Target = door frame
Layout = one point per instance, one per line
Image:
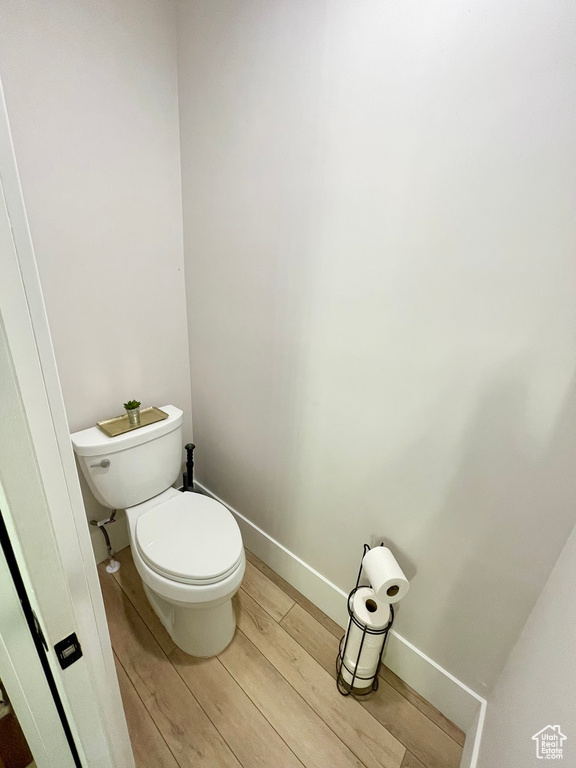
(51, 540)
(23, 671)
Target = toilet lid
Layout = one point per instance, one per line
(190, 538)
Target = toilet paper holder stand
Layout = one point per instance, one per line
(359, 686)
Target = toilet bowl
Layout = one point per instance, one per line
(187, 547)
(188, 551)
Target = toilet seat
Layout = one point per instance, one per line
(190, 538)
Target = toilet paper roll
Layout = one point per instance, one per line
(385, 575)
(375, 615)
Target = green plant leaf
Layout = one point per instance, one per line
(131, 404)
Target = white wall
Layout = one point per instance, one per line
(536, 688)
(379, 239)
(380, 281)
(92, 98)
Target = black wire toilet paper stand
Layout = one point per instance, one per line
(358, 685)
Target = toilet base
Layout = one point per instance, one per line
(200, 629)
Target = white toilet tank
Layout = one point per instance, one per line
(128, 469)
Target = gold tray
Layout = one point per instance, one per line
(119, 425)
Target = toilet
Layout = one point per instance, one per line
(187, 547)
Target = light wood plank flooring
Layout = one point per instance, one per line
(269, 700)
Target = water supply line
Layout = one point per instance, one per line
(113, 565)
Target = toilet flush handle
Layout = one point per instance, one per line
(105, 463)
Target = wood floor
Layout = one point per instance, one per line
(269, 700)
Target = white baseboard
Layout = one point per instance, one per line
(474, 737)
(452, 697)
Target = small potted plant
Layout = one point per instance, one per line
(133, 412)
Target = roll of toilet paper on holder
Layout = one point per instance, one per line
(385, 575)
(361, 667)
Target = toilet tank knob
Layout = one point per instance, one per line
(105, 463)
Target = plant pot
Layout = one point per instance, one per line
(133, 416)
